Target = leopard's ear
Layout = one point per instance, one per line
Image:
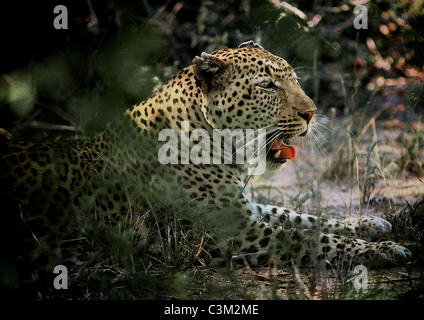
(206, 67)
(251, 44)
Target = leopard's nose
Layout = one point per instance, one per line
(307, 115)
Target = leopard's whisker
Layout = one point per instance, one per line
(253, 141)
(314, 138)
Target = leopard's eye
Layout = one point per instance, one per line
(268, 85)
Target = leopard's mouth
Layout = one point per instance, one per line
(280, 150)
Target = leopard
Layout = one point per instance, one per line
(139, 163)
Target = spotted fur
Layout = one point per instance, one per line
(117, 177)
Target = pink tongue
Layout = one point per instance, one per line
(287, 151)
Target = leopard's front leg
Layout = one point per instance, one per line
(363, 227)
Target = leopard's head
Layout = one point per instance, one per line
(250, 88)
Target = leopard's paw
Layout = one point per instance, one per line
(370, 228)
(391, 251)
(380, 254)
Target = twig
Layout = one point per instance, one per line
(355, 85)
(370, 122)
(51, 126)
